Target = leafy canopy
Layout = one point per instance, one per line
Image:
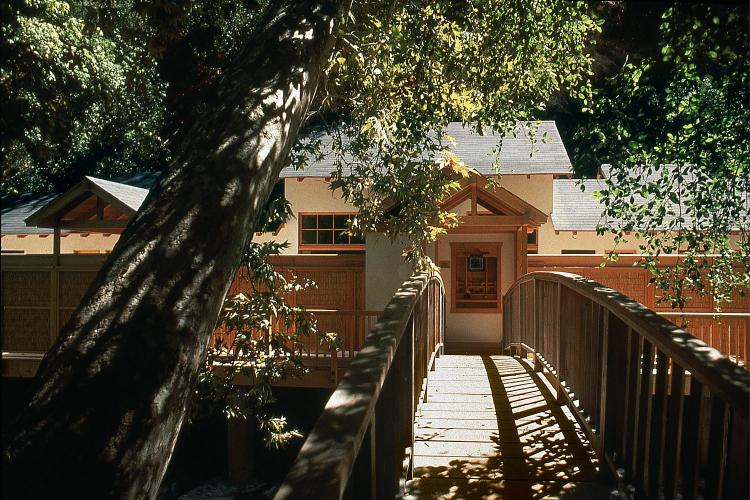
(675, 129)
(402, 70)
(77, 97)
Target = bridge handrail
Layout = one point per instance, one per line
(593, 341)
(367, 424)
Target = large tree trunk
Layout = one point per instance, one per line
(113, 391)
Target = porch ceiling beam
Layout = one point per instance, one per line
(495, 220)
(483, 229)
(93, 224)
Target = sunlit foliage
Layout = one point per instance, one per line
(403, 70)
(675, 129)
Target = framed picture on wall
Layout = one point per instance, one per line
(476, 263)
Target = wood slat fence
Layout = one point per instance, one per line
(39, 293)
(667, 412)
(725, 332)
(357, 447)
(728, 331)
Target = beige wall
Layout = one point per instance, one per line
(549, 242)
(69, 243)
(313, 195)
(385, 270)
(476, 327)
(533, 189)
(308, 195)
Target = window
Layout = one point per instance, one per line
(532, 241)
(327, 231)
(475, 277)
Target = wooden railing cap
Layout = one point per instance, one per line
(325, 461)
(707, 364)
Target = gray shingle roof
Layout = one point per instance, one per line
(16, 209)
(129, 195)
(573, 209)
(576, 210)
(545, 154)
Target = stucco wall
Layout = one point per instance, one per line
(69, 243)
(385, 270)
(308, 195)
(533, 189)
(313, 195)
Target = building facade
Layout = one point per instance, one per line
(534, 216)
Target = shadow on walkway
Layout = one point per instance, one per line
(490, 428)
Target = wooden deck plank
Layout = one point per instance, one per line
(553, 446)
(505, 468)
(517, 490)
(490, 428)
(525, 434)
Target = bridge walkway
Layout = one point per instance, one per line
(490, 427)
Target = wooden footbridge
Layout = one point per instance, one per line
(595, 397)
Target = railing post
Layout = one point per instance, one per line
(413, 408)
(605, 380)
(373, 455)
(334, 366)
(561, 396)
(363, 480)
(537, 344)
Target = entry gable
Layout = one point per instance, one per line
(500, 203)
(92, 204)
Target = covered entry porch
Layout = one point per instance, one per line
(480, 259)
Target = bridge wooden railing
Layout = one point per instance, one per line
(361, 445)
(667, 413)
(729, 333)
(351, 327)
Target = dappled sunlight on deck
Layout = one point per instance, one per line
(491, 428)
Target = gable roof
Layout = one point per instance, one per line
(501, 200)
(130, 196)
(127, 188)
(527, 152)
(122, 196)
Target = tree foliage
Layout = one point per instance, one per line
(675, 129)
(402, 71)
(79, 96)
(261, 339)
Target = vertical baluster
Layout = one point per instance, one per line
(632, 400)
(658, 421)
(745, 340)
(604, 378)
(614, 387)
(738, 459)
(695, 418)
(363, 477)
(643, 418)
(673, 433)
(717, 448)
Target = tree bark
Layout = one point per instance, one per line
(112, 393)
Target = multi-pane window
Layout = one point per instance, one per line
(327, 231)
